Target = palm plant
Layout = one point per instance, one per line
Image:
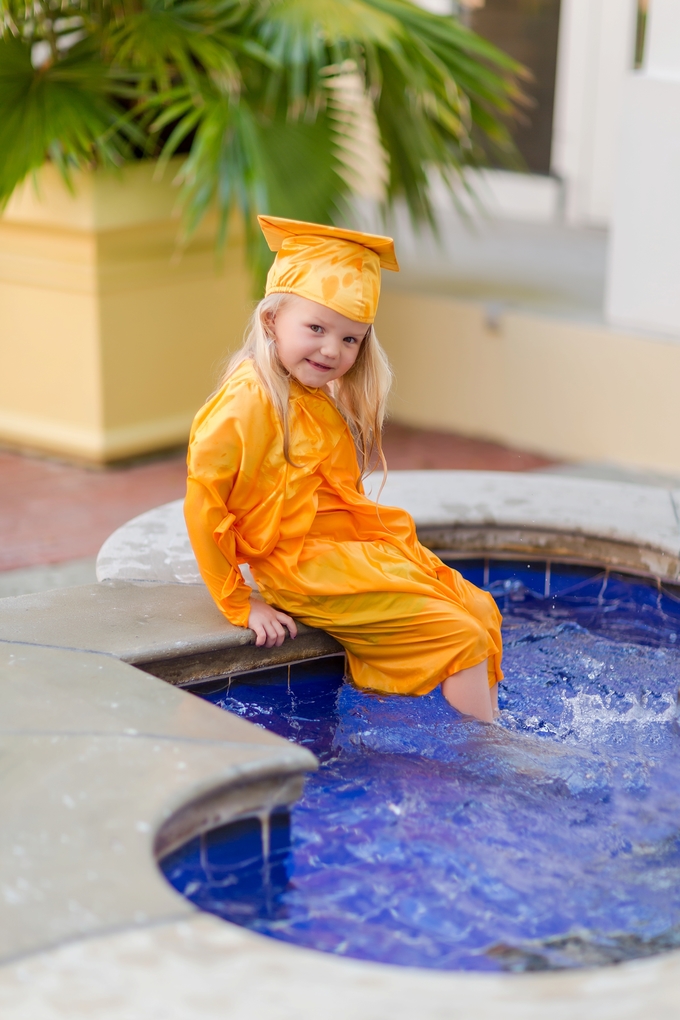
(255, 93)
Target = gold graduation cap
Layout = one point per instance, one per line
(335, 267)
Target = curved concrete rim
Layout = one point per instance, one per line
(628, 527)
(117, 763)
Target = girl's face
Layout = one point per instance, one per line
(314, 343)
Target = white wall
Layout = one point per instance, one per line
(643, 287)
(662, 56)
(595, 54)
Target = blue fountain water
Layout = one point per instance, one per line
(425, 839)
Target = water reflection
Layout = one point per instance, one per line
(551, 840)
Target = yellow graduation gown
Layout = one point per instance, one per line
(319, 548)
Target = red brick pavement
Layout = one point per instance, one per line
(51, 511)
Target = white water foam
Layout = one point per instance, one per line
(587, 714)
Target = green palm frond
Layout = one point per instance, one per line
(306, 36)
(224, 169)
(66, 112)
(184, 39)
(248, 90)
(437, 88)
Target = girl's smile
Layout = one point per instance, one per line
(315, 364)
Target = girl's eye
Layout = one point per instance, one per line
(350, 339)
(316, 329)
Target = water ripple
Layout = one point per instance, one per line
(550, 840)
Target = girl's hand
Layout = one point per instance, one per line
(268, 624)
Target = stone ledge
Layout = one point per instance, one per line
(609, 523)
(48, 691)
(468, 541)
(103, 766)
(190, 670)
(202, 968)
(134, 621)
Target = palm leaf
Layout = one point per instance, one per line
(64, 112)
(438, 89)
(306, 36)
(248, 87)
(186, 38)
(224, 169)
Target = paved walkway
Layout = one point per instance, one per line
(52, 512)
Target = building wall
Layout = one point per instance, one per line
(556, 386)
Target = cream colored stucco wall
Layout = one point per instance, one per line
(110, 338)
(561, 387)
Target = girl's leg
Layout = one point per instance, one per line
(468, 691)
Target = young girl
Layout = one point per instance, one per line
(276, 460)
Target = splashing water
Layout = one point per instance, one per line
(425, 839)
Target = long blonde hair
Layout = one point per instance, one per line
(360, 395)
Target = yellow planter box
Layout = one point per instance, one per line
(110, 336)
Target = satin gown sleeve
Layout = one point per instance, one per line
(231, 439)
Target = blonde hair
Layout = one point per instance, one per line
(360, 395)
